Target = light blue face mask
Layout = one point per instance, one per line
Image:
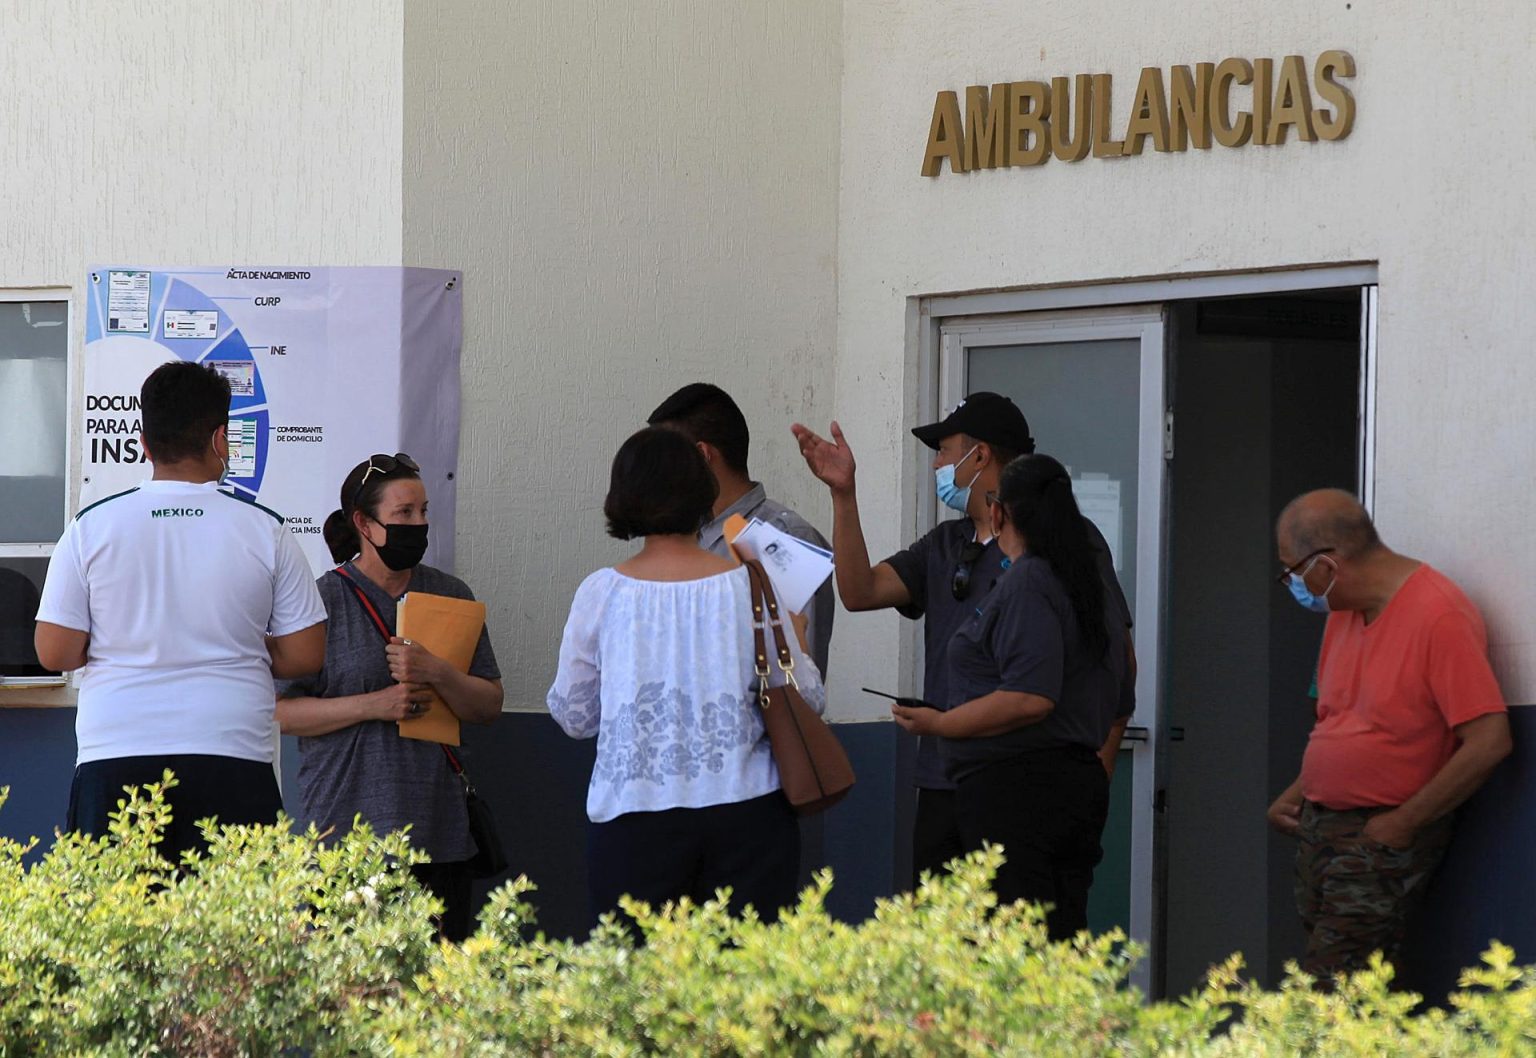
(951, 495)
(1303, 594)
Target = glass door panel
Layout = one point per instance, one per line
(1091, 386)
(1081, 400)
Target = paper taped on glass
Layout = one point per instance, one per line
(1098, 497)
(450, 629)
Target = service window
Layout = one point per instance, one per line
(34, 430)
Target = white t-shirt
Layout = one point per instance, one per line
(178, 584)
(662, 673)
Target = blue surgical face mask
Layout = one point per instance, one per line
(951, 495)
(1303, 594)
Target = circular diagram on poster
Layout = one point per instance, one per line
(185, 325)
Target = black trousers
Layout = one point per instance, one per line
(936, 837)
(752, 846)
(233, 790)
(450, 883)
(1047, 809)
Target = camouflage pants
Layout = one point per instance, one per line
(1354, 894)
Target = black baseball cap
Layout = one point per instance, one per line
(989, 417)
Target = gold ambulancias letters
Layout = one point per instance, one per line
(1020, 124)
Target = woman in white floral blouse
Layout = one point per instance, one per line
(657, 662)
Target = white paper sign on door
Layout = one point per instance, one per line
(1098, 497)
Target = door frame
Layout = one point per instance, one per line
(939, 327)
(1145, 325)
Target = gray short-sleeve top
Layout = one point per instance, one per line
(367, 769)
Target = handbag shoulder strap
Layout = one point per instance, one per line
(362, 600)
(458, 769)
(759, 646)
(763, 598)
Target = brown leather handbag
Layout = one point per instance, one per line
(813, 766)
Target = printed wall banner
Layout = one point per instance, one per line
(326, 367)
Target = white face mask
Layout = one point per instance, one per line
(213, 443)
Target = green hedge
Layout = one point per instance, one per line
(274, 943)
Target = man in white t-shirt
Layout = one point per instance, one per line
(181, 602)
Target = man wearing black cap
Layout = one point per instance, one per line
(942, 576)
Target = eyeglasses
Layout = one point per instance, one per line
(384, 465)
(992, 500)
(1303, 565)
(960, 585)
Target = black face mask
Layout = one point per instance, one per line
(404, 545)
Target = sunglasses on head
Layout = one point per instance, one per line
(960, 585)
(384, 465)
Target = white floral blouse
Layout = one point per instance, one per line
(662, 673)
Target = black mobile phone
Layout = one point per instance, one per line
(910, 703)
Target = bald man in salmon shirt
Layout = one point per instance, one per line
(1410, 722)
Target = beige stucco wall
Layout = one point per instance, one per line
(1432, 184)
(185, 132)
(643, 195)
(640, 196)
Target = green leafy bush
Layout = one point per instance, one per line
(258, 946)
(276, 944)
(928, 974)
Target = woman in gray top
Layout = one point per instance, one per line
(1039, 675)
(353, 760)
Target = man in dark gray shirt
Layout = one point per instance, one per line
(942, 577)
(708, 417)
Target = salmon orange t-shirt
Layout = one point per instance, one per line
(1390, 693)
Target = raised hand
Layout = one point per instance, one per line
(831, 461)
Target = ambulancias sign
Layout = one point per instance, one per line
(1026, 123)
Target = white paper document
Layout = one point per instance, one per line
(201, 324)
(241, 375)
(242, 447)
(795, 567)
(1098, 497)
(128, 301)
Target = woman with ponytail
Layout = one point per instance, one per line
(353, 761)
(1040, 678)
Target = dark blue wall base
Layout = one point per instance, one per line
(536, 780)
(37, 761)
(1482, 892)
